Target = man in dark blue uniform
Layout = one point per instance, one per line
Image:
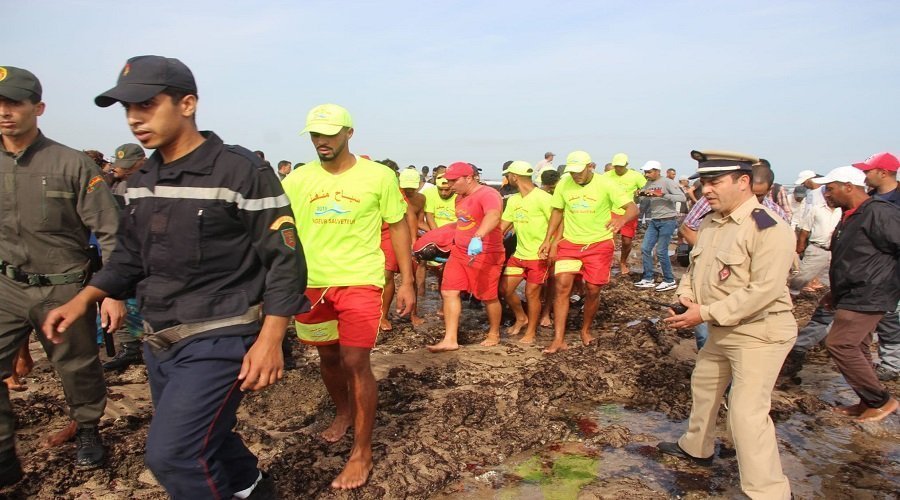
(208, 242)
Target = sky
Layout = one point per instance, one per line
(804, 84)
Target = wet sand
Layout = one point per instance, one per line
(501, 422)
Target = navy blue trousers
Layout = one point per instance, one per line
(191, 446)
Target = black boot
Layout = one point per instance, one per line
(10, 469)
(265, 489)
(793, 363)
(287, 350)
(91, 452)
(129, 354)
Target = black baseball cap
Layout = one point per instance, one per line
(143, 77)
(19, 84)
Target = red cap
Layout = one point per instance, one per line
(457, 170)
(884, 161)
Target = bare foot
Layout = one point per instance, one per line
(586, 338)
(556, 347)
(623, 269)
(64, 436)
(23, 363)
(417, 320)
(385, 325)
(491, 340)
(442, 347)
(528, 338)
(517, 327)
(546, 322)
(879, 414)
(14, 384)
(337, 429)
(354, 475)
(850, 410)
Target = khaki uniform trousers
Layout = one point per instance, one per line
(750, 361)
(23, 308)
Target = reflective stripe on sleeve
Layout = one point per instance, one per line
(214, 193)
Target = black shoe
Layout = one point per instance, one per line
(675, 450)
(129, 354)
(886, 375)
(91, 452)
(287, 352)
(793, 363)
(10, 471)
(265, 489)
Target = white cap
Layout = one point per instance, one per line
(651, 165)
(851, 175)
(805, 176)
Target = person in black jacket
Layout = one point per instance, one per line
(208, 242)
(865, 284)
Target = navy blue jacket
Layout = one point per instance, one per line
(205, 237)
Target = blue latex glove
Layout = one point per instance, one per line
(475, 247)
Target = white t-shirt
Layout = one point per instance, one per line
(820, 221)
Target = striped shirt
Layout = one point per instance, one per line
(701, 208)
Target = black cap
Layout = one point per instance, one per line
(19, 84)
(143, 77)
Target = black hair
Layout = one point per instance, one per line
(762, 174)
(177, 94)
(391, 164)
(549, 177)
(737, 174)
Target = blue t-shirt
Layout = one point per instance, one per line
(890, 197)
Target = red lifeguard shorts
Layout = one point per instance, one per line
(534, 271)
(345, 315)
(593, 261)
(630, 228)
(390, 258)
(479, 276)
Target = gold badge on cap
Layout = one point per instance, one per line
(120, 154)
(126, 69)
(3, 73)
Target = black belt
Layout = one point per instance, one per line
(163, 339)
(35, 279)
(820, 245)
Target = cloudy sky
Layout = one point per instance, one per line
(806, 84)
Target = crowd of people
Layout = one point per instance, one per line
(204, 256)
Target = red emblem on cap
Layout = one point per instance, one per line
(126, 70)
(724, 273)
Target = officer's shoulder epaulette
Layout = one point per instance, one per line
(762, 218)
(245, 153)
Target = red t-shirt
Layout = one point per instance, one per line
(470, 214)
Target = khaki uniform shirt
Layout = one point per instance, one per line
(51, 198)
(739, 269)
